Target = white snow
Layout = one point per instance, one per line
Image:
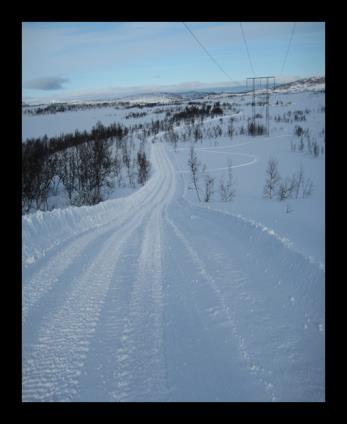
(156, 297)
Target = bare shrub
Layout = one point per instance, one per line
(194, 166)
(209, 187)
(272, 178)
(227, 189)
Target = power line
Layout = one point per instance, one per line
(249, 57)
(289, 44)
(206, 51)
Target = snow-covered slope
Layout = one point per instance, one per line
(161, 98)
(305, 84)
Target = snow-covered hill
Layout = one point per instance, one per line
(305, 84)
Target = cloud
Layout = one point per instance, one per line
(47, 83)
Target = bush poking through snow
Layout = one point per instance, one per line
(272, 178)
(227, 189)
(290, 187)
(209, 187)
(256, 129)
(143, 167)
(298, 131)
(194, 166)
(231, 129)
(312, 147)
(286, 188)
(315, 149)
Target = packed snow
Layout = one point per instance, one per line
(154, 296)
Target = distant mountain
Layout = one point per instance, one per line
(171, 97)
(156, 97)
(304, 84)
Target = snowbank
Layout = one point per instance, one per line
(41, 231)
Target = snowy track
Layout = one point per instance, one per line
(160, 300)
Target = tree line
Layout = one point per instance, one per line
(87, 164)
(53, 108)
(64, 141)
(193, 111)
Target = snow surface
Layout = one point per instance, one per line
(66, 122)
(154, 297)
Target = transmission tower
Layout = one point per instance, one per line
(267, 98)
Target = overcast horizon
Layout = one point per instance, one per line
(66, 60)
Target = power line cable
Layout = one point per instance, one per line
(289, 44)
(207, 52)
(245, 41)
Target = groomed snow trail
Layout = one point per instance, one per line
(161, 300)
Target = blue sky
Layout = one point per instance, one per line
(64, 59)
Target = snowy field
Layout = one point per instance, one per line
(65, 122)
(155, 296)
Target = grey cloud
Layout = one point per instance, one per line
(47, 83)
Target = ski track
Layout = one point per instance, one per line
(251, 162)
(107, 328)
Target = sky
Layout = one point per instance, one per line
(75, 59)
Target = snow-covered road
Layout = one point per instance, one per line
(150, 298)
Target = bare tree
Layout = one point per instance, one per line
(93, 170)
(126, 155)
(172, 137)
(194, 166)
(299, 181)
(143, 167)
(231, 129)
(272, 178)
(227, 189)
(131, 170)
(68, 169)
(286, 188)
(197, 133)
(209, 185)
(117, 166)
(315, 149)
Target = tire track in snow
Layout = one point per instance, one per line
(260, 227)
(282, 298)
(141, 365)
(253, 367)
(48, 276)
(101, 362)
(51, 371)
(140, 358)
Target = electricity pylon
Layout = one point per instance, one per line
(267, 97)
